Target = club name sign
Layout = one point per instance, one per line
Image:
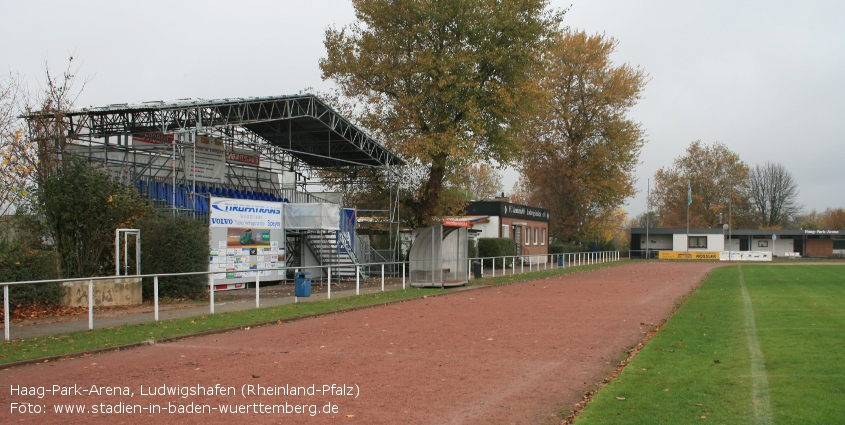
(522, 211)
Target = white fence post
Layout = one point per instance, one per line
(6, 311)
(155, 297)
(91, 304)
(357, 280)
(211, 291)
(403, 275)
(382, 277)
(257, 289)
(330, 282)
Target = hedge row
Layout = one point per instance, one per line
(21, 263)
(496, 247)
(174, 245)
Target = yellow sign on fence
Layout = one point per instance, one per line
(693, 255)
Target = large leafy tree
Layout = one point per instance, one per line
(774, 195)
(479, 181)
(445, 83)
(717, 180)
(581, 150)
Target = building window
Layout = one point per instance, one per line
(527, 236)
(536, 234)
(698, 241)
(543, 237)
(763, 244)
(505, 229)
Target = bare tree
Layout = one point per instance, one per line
(30, 149)
(773, 194)
(12, 161)
(645, 219)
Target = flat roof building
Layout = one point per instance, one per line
(788, 242)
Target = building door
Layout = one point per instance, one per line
(798, 246)
(517, 238)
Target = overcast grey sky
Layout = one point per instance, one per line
(767, 78)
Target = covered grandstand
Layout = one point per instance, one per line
(181, 154)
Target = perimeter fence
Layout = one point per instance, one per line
(478, 268)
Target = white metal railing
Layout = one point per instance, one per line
(533, 262)
(538, 262)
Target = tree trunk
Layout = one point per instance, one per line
(424, 215)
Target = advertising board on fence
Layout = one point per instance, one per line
(246, 240)
(746, 256)
(692, 255)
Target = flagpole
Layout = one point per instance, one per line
(730, 224)
(647, 210)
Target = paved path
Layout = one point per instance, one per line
(81, 322)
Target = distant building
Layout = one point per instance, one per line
(780, 243)
(527, 226)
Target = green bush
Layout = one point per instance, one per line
(496, 247)
(174, 245)
(560, 247)
(20, 263)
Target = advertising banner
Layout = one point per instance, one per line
(208, 160)
(246, 240)
(746, 256)
(206, 163)
(692, 255)
(347, 227)
(245, 213)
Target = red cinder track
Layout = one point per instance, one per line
(509, 354)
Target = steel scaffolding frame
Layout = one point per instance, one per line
(291, 134)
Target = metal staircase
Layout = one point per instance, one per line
(332, 251)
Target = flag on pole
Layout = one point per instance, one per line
(689, 194)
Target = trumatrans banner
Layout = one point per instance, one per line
(245, 213)
(746, 256)
(692, 255)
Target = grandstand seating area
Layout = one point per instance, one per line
(163, 194)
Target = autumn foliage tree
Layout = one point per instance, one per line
(581, 150)
(444, 83)
(479, 181)
(17, 156)
(829, 219)
(718, 182)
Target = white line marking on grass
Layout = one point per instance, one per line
(759, 380)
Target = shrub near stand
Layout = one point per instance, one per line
(20, 263)
(174, 245)
(496, 247)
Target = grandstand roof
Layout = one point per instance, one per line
(301, 125)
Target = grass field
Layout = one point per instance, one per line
(754, 344)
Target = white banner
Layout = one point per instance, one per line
(245, 213)
(312, 216)
(745, 256)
